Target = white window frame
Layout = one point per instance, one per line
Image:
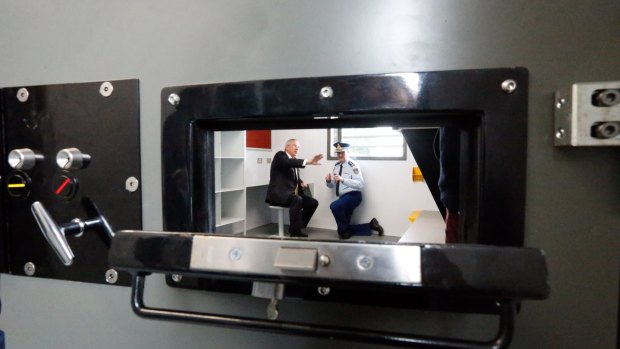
(337, 135)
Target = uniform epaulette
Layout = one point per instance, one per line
(351, 163)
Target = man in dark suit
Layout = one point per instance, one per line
(287, 189)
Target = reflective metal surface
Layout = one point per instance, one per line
(53, 234)
(588, 114)
(396, 264)
(459, 269)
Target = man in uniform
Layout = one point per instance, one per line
(348, 181)
(287, 189)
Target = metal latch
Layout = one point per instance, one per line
(588, 114)
(302, 259)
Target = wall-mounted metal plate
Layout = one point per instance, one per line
(70, 145)
(588, 114)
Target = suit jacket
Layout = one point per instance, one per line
(282, 181)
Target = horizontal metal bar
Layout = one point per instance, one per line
(501, 340)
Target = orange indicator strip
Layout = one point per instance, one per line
(17, 185)
(62, 186)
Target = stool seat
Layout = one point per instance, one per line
(280, 211)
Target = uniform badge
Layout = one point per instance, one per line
(356, 171)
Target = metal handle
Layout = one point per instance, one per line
(56, 235)
(501, 340)
(53, 233)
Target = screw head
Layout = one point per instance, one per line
(509, 86)
(29, 268)
(132, 184)
(561, 102)
(324, 260)
(365, 262)
(106, 89)
(235, 254)
(174, 99)
(111, 276)
(177, 277)
(560, 133)
(327, 92)
(22, 94)
(323, 291)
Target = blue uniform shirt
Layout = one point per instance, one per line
(352, 174)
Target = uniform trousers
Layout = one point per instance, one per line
(342, 210)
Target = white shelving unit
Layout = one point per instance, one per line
(230, 182)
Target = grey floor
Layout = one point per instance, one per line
(271, 230)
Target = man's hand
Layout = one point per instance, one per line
(328, 178)
(315, 160)
(338, 178)
(302, 184)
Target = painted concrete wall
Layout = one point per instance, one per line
(572, 194)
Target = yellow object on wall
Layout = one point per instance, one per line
(416, 175)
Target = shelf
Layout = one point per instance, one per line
(225, 190)
(229, 154)
(229, 220)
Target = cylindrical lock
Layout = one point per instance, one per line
(72, 159)
(24, 158)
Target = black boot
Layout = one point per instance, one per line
(374, 225)
(298, 234)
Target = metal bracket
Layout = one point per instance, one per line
(588, 114)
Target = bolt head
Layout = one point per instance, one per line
(561, 102)
(177, 277)
(111, 276)
(22, 94)
(106, 89)
(365, 262)
(323, 291)
(132, 184)
(327, 92)
(509, 86)
(324, 260)
(174, 99)
(235, 254)
(29, 268)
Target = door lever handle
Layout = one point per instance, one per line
(56, 235)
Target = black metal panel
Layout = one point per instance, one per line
(459, 269)
(4, 255)
(107, 128)
(478, 270)
(494, 120)
(471, 97)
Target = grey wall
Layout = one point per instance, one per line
(573, 195)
